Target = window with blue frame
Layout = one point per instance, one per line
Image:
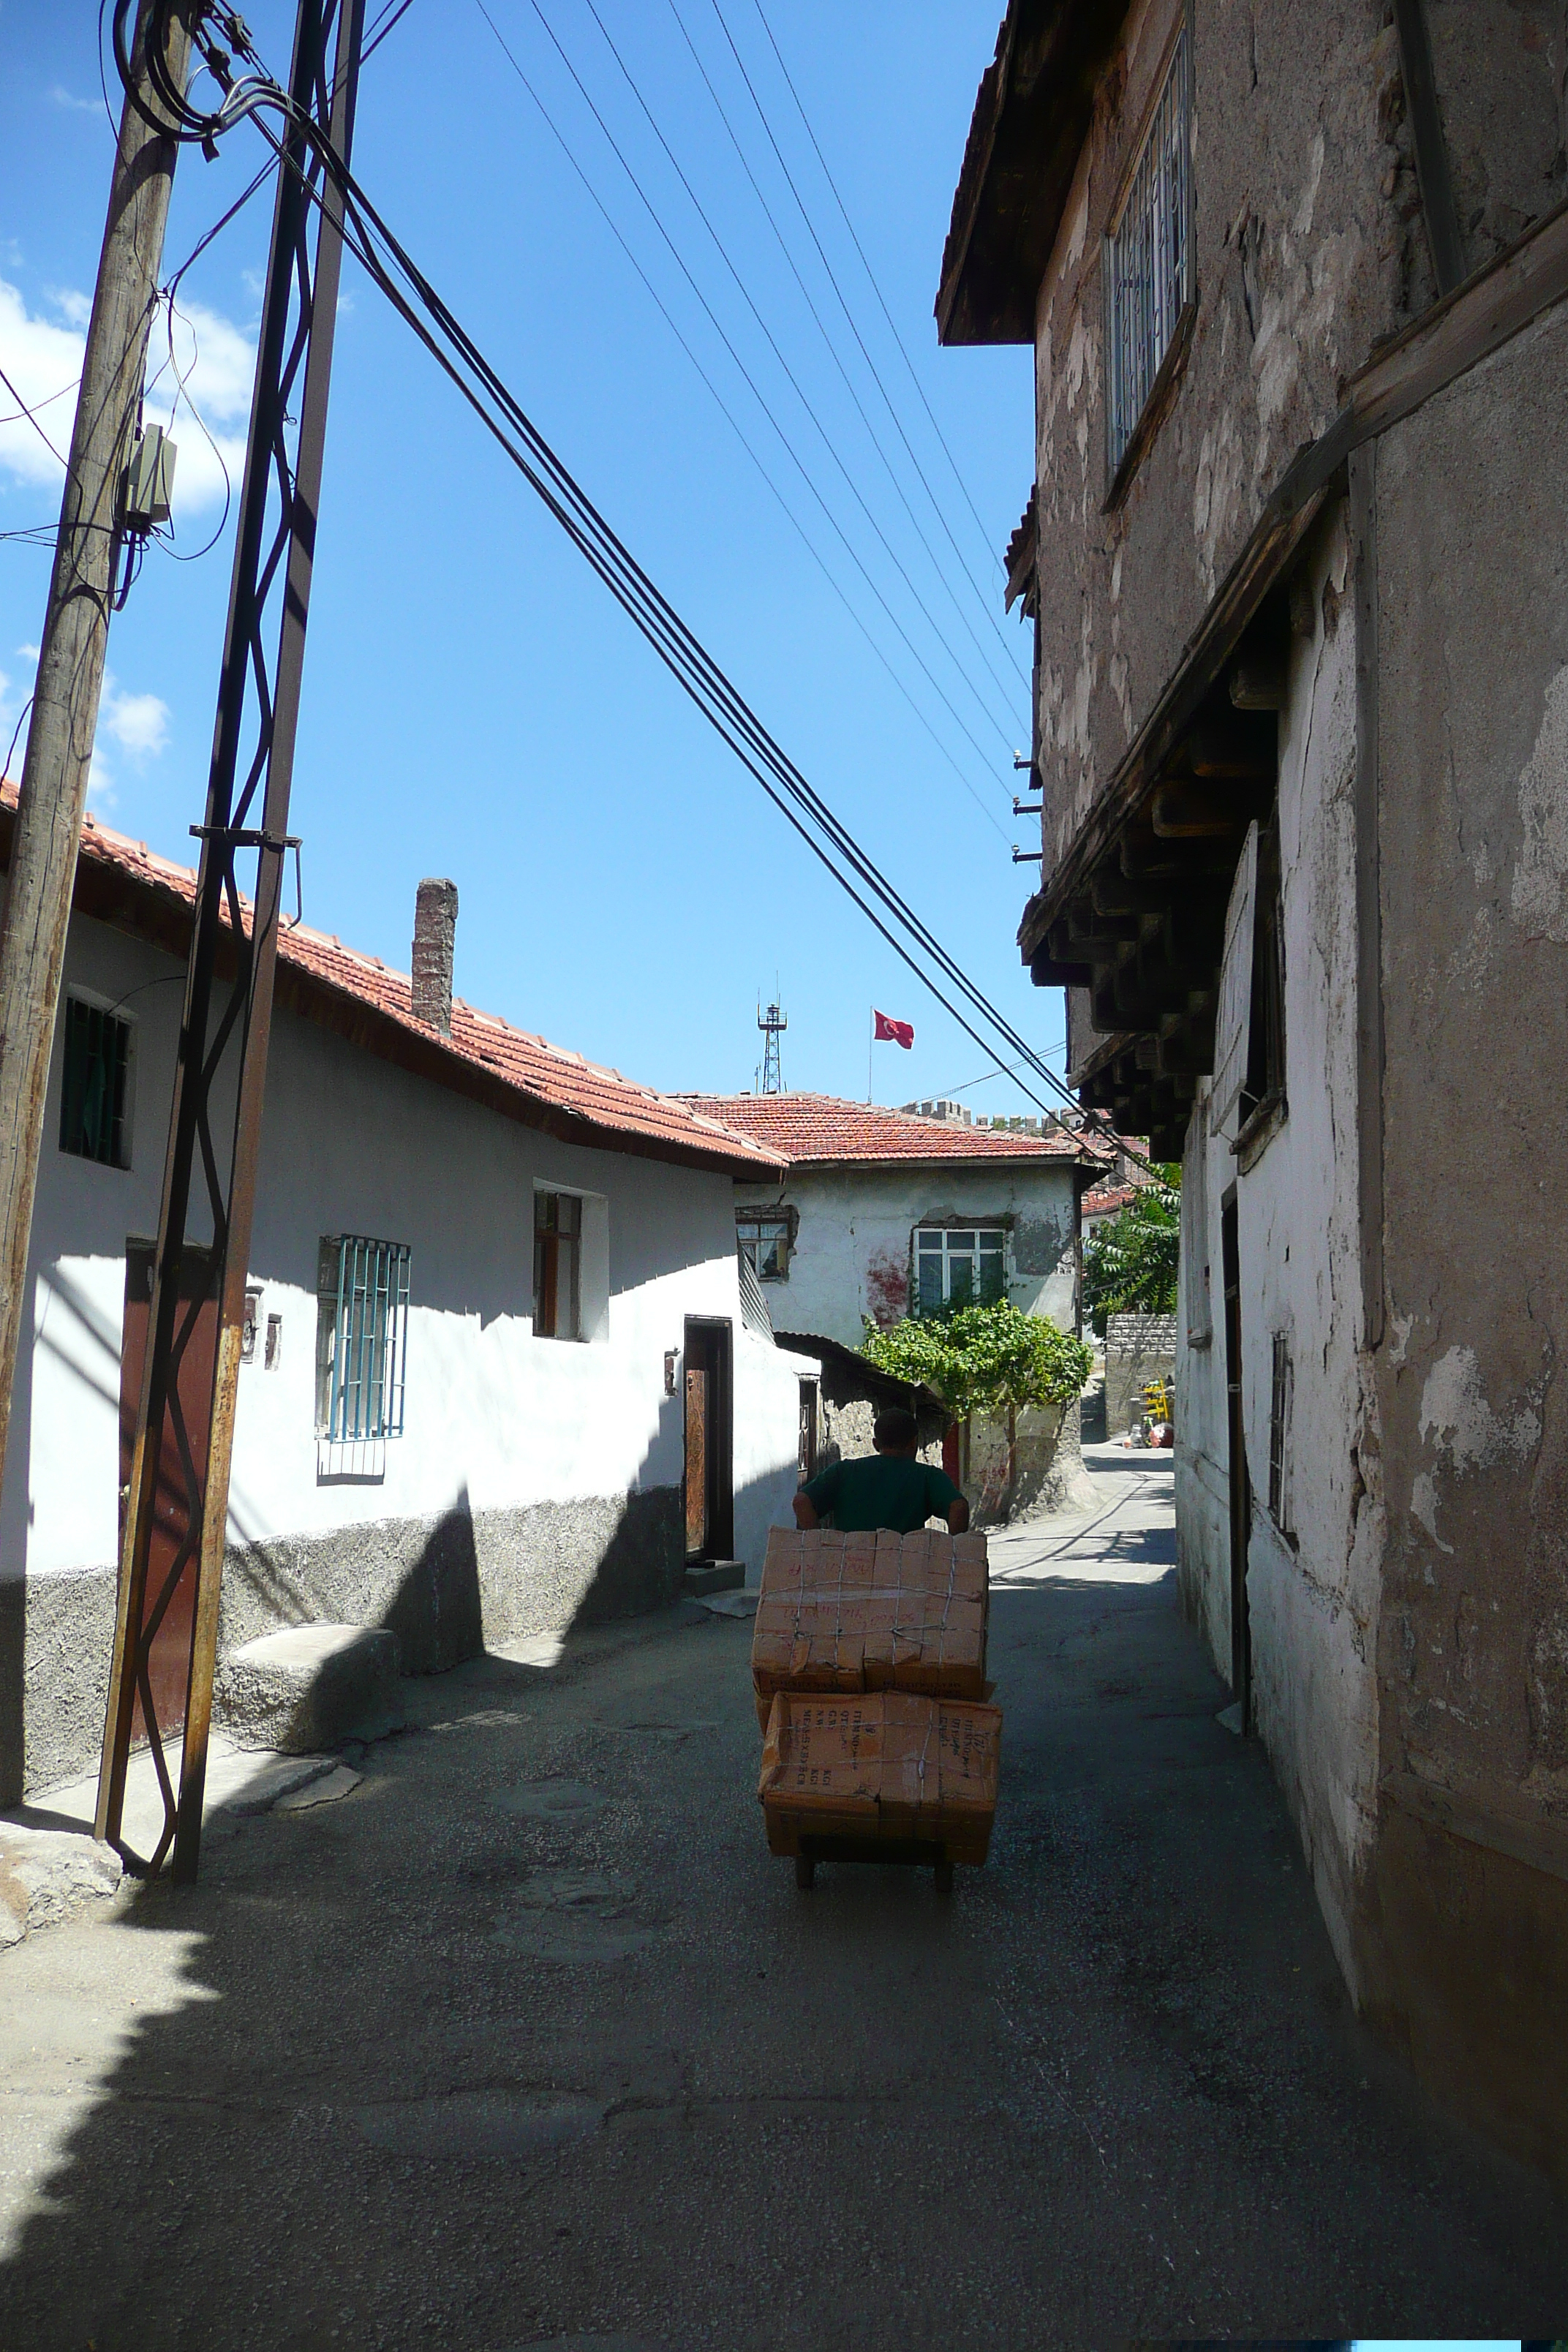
(362, 1337)
(95, 1121)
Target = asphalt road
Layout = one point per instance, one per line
(528, 2041)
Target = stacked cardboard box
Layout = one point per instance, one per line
(881, 1769)
(868, 1667)
(870, 1611)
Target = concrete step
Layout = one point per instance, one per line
(713, 1576)
(310, 1687)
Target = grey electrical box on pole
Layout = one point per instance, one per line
(70, 670)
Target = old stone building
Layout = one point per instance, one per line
(1295, 273)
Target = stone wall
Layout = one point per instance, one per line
(1138, 1348)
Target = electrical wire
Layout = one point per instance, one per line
(1003, 685)
(6, 764)
(185, 394)
(391, 16)
(23, 410)
(734, 422)
(1006, 734)
(756, 391)
(368, 236)
(411, 294)
(986, 602)
(876, 290)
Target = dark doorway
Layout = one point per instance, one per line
(169, 1657)
(1240, 1485)
(710, 1413)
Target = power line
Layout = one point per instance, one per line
(732, 420)
(682, 652)
(801, 207)
(876, 290)
(755, 389)
(23, 410)
(700, 677)
(1002, 684)
(1005, 734)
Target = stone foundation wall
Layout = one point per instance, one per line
(445, 1587)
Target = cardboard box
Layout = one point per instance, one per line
(881, 1770)
(871, 1611)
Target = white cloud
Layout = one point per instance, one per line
(138, 722)
(212, 365)
(213, 360)
(74, 307)
(62, 97)
(27, 653)
(44, 363)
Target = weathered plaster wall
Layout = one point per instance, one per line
(1202, 1473)
(1498, 67)
(1312, 1578)
(851, 1257)
(1472, 616)
(535, 1480)
(1308, 247)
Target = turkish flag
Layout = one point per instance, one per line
(892, 1033)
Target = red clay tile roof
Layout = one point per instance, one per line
(361, 998)
(814, 1128)
(1105, 1198)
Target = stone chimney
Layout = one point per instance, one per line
(434, 925)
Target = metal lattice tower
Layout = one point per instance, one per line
(773, 1025)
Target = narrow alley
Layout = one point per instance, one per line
(527, 2040)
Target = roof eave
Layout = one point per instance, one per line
(1031, 117)
(147, 906)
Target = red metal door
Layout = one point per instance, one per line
(169, 1658)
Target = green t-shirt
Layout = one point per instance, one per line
(881, 1490)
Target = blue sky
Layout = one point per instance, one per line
(474, 704)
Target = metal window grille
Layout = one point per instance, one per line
(1149, 256)
(369, 1340)
(1279, 1428)
(96, 1078)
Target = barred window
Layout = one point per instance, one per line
(1149, 256)
(362, 1337)
(765, 1242)
(1280, 1433)
(94, 1096)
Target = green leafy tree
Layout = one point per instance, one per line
(983, 1358)
(1130, 1261)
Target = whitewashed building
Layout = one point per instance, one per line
(557, 1245)
(879, 1211)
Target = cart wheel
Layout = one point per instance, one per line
(804, 1871)
(944, 1878)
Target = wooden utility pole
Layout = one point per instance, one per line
(70, 670)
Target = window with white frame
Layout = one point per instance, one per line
(765, 1243)
(1149, 256)
(362, 1337)
(959, 1266)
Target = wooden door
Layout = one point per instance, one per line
(1240, 1485)
(696, 1459)
(709, 1491)
(169, 1664)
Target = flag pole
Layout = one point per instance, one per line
(870, 1048)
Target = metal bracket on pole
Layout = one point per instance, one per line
(177, 1504)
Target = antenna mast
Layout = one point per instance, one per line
(773, 1024)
